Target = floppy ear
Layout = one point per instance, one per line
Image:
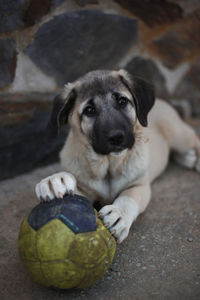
(143, 95)
(62, 106)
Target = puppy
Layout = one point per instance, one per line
(113, 152)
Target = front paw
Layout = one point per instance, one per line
(117, 223)
(55, 186)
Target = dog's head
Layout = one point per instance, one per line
(102, 108)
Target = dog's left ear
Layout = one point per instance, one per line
(62, 106)
(142, 92)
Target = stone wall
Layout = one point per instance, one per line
(44, 44)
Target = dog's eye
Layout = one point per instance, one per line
(89, 111)
(122, 101)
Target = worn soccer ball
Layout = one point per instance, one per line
(63, 244)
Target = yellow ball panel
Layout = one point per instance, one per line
(53, 241)
(93, 275)
(111, 248)
(63, 274)
(108, 238)
(26, 241)
(102, 228)
(87, 249)
(34, 269)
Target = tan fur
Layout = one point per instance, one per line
(122, 182)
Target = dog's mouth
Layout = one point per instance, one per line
(119, 153)
(114, 151)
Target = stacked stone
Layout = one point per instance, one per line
(44, 44)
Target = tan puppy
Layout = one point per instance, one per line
(111, 155)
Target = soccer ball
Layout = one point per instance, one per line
(63, 244)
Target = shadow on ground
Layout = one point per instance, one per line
(159, 260)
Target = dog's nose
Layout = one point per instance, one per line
(116, 138)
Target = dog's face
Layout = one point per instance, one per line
(102, 107)
(107, 115)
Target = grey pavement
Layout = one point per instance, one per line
(160, 260)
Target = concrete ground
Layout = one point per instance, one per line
(160, 260)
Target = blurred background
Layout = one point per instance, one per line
(46, 43)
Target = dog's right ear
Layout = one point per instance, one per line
(142, 92)
(62, 106)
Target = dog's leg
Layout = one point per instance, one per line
(119, 216)
(187, 159)
(55, 186)
(187, 147)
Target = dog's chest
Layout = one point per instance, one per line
(107, 188)
(115, 180)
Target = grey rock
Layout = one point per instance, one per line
(188, 6)
(74, 43)
(171, 46)
(147, 69)
(8, 57)
(189, 88)
(25, 141)
(180, 43)
(10, 15)
(35, 11)
(85, 2)
(55, 3)
(153, 12)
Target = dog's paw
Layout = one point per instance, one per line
(55, 186)
(187, 159)
(117, 223)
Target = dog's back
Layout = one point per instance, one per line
(168, 132)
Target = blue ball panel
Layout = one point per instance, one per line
(75, 211)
